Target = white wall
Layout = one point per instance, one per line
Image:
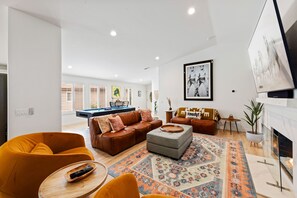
(34, 74)
(231, 71)
(3, 35)
(137, 102)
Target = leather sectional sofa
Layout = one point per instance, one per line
(114, 143)
(206, 125)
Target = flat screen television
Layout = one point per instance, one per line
(268, 52)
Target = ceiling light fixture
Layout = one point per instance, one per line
(69, 66)
(191, 10)
(116, 75)
(140, 79)
(113, 33)
(157, 58)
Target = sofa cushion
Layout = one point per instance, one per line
(204, 126)
(42, 149)
(146, 115)
(116, 123)
(129, 118)
(181, 112)
(141, 129)
(155, 124)
(114, 143)
(179, 120)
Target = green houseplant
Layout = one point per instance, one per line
(252, 115)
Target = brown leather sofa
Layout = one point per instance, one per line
(114, 143)
(203, 125)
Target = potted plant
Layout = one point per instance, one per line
(251, 117)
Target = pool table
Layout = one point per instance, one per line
(87, 113)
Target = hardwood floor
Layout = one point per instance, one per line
(109, 160)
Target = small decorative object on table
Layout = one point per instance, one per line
(171, 128)
(169, 103)
(80, 172)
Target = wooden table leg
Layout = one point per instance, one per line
(224, 126)
(236, 126)
(230, 128)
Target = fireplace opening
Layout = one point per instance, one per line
(282, 149)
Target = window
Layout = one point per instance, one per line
(66, 97)
(78, 97)
(94, 96)
(102, 97)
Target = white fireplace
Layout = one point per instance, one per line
(281, 115)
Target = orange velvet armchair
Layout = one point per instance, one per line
(122, 187)
(22, 170)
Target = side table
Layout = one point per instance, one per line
(169, 115)
(55, 185)
(230, 120)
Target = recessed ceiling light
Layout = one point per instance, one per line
(113, 33)
(69, 66)
(140, 79)
(191, 10)
(157, 58)
(116, 75)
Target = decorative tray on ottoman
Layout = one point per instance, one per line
(171, 128)
(80, 172)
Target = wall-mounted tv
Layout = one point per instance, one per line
(268, 52)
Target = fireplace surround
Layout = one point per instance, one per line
(282, 150)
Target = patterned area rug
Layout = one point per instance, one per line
(210, 167)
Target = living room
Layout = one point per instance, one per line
(61, 57)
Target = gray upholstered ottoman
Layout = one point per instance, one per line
(169, 144)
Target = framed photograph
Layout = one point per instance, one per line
(268, 53)
(198, 80)
(115, 92)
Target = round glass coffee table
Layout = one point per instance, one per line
(55, 185)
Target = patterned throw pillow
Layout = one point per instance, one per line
(209, 114)
(146, 115)
(104, 123)
(181, 112)
(116, 123)
(42, 149)
(193, 114)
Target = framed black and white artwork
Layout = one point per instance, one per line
(198, 80)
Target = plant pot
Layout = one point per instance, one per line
(256, 138)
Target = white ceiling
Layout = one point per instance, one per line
(145, 29)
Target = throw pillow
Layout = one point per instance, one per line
(116, 123)
(181, 112)
(104, 123)
(41, 148)
(146, 115)
(210, 114)
(193, 115)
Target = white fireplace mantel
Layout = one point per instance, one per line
(282, 102)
